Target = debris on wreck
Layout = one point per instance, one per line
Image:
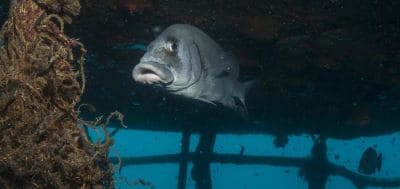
(40, 141)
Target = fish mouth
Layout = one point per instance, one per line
(152, 73)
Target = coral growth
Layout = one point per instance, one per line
(40, 141)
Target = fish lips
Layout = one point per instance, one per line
(152, 73)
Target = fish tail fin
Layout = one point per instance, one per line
(379, 164)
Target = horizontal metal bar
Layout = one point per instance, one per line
(215, 158)
(364, 180)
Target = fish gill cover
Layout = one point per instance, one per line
(41, 145)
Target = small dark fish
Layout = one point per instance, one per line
(370, 162)
(185, 61)
(242, 149)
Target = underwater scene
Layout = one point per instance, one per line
(213, 94)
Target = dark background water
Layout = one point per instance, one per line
(329, 68)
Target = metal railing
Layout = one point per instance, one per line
(315, 168)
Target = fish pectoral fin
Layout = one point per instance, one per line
(207, 101)
(240, 106)
(239, 102)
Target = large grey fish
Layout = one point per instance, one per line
(186, 61)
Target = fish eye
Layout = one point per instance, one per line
(171, 46)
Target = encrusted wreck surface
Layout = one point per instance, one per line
(41, 81)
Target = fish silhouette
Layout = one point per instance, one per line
(370, 162)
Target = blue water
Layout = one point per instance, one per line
(137, 143)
